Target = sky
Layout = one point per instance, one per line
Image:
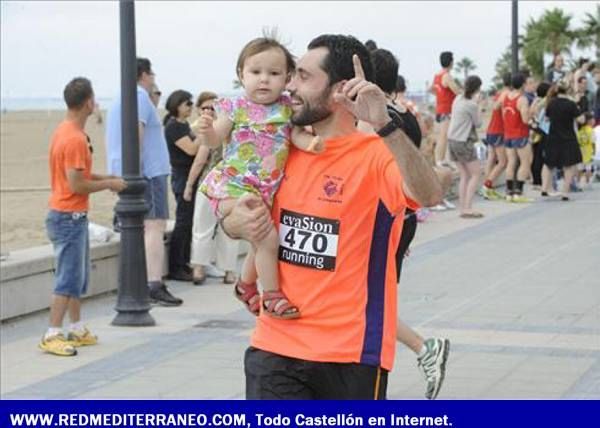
(194, 45)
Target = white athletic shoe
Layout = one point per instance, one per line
(449, 205)
(433, 364)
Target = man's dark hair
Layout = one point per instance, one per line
(542, 89)
(472, 85)
(446, 58)
(143, 66)
(338, 63)
(400, 84)
(371, 45)
(582, 61)
(386, 70)
(506, 78)
(517, 80)
(77, 92)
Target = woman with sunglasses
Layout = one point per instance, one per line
(209, 242)
(183, 147)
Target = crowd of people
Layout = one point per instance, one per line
(538, 132)
(322, 165)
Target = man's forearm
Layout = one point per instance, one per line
(419, 177)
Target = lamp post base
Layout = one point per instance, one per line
(134, 319)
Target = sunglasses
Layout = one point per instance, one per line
(157, 93)
(189, 103)
(210, 108)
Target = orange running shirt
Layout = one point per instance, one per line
(69, 149)
(444, 95)
(339, 215)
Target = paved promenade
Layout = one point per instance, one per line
(517, 293)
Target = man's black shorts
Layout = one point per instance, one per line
(270, 376)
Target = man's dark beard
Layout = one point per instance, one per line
(312, 114)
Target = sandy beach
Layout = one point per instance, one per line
(24, 179)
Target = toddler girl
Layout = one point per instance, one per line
(257, 129)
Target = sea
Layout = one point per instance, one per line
(42, 104)
(57, 103)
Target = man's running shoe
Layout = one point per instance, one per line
(491, 194)
(57, 345)
(439, 207)
(449, 205)
(82, 338)
(433, 364)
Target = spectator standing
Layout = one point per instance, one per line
(71, 182)
(462, 136)
(208, 240)
(562, 150)
(155, 169)
(556, 71)
(183, 146)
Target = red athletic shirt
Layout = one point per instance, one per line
(496, 126)
(513, 124)
(444, 95)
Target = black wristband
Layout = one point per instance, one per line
(396, 122)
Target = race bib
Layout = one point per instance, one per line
(306, 240)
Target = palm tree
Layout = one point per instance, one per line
(590, 33)
(465, 65)
(551, 33)
(504, 65)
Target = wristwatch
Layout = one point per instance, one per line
(395, 123)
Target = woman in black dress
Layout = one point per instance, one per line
(562, 150)
(182, 150)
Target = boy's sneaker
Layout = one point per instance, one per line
(57, 345)
(162, 296)
(82, 338)
(433, 364)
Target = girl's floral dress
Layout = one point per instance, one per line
(255, 157)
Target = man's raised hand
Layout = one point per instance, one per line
(365, 100)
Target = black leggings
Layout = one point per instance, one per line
(538, 162)
(409, 229)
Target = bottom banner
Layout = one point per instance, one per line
(257, 414)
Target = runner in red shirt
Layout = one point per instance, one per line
(515, 114)
(445, 89)
(496, 161)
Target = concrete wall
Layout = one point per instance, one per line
(27, 277)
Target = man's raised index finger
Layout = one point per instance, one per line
(358, 70)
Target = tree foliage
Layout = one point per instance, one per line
(465, 66)
(552, 33)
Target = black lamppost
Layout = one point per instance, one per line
(133, 305)
(515, 36)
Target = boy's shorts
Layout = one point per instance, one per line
(68, 232)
